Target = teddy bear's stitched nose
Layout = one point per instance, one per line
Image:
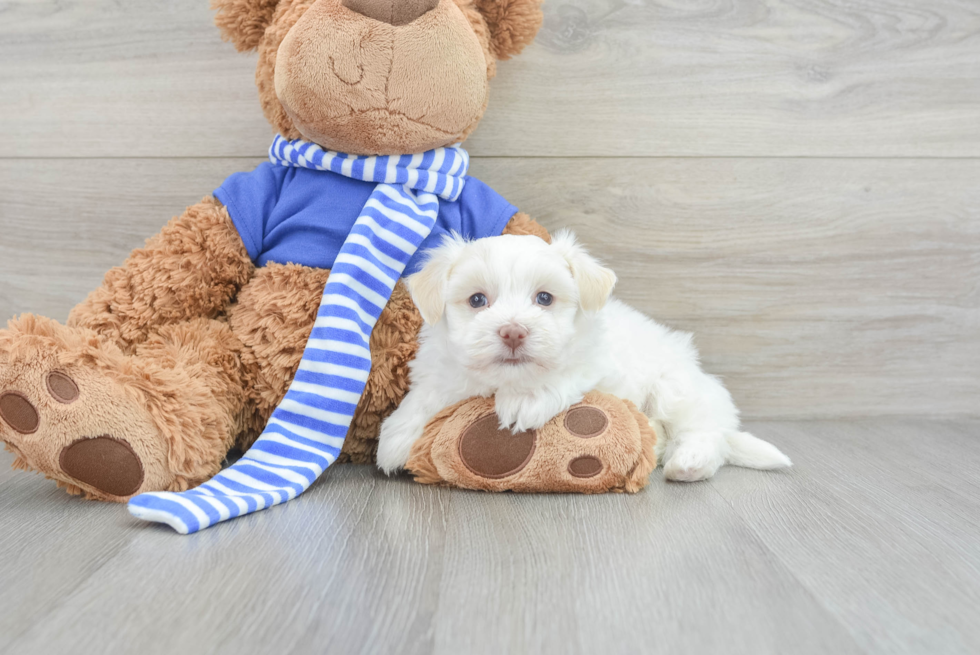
(393, 12)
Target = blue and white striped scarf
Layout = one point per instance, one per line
(307, 429)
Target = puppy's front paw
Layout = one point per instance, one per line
(526, 412)
(395, 442)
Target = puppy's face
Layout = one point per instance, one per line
(510, 303)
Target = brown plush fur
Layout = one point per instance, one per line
(191, 269)
(184, 350)
(647, 458)
(243, 22)
(625, 448)
(523, 225)
(512, 24)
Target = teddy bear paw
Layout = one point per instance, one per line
(63, 415)
(602, 444)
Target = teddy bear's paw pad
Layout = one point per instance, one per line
(61, 387)
(489, 452)
(19, 413)
(104, 463)
(586, 422)
(585, 466)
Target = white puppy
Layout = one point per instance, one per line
(533, 325)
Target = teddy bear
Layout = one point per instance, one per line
(185, 350)
(252, 317)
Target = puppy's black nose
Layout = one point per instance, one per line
(513, 335)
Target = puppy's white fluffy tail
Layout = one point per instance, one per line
(754, 453)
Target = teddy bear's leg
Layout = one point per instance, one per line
(101, 377)
(101, 422)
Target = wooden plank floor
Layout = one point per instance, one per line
(868, 545)
(794, 181)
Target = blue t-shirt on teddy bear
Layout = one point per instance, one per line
(288, 214)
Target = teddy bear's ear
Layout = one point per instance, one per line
(513, 24)
(243, 22)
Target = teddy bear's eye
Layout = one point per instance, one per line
(478, 300)
(545, 298)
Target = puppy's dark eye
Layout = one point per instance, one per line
(478, 300)
(545, 298)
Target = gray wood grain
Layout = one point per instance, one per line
(815, 287)
(349, 568)
(606, 78)
(664, 570)
(869, 523)
(368, 565)
(868, 545)
(49, 544)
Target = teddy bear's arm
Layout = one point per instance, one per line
(521, 224)
(192, 268)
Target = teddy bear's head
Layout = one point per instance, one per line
(377, 77)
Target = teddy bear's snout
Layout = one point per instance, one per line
(392, 12)
(370, 77)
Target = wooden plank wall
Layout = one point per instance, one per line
(798, 182)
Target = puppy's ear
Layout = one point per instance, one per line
(428, 286)
(513, 24)
(243, 22)
(595, 281)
